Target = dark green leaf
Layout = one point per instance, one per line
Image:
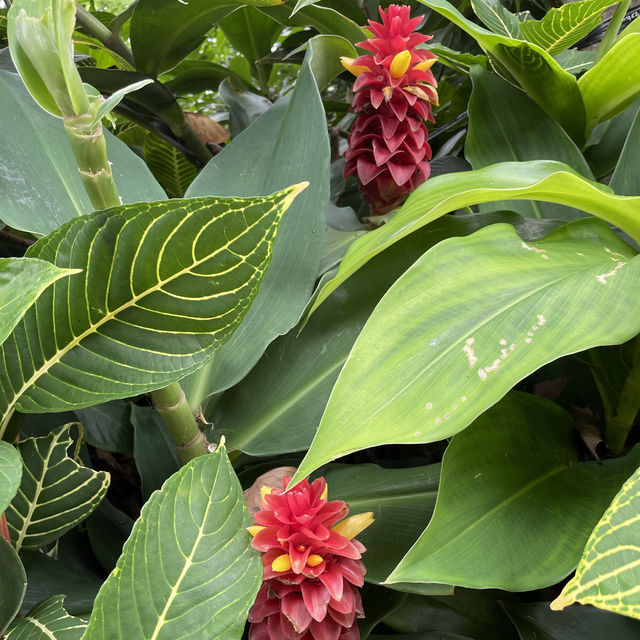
(515, 505)
(169, 166)
(194, 76)
(55, 493)
(194, 581)
(625, 179)
(244, 106)
(14, 583)
(48, 621)
(107, 426)
(575, 61)
(108, 528)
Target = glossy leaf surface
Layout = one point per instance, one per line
(187, 269)
(14, 582)
(609, 571)
(48, 621)
(472, 317)
(55, 493)
(194, 581)
(501, 479)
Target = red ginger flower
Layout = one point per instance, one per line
(394, 91)
(312, 567)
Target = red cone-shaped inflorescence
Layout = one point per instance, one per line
(394, 91)
(312, 567)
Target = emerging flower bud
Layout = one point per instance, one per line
(312, 567)
(394, 91)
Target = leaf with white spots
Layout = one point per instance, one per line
(608, 575)
(187, 572)
(47, 621)
(470, 318)
(55, 493)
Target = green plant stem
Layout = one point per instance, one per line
(620, 423)
(193, 142)
(101, 32)
(612, 30)
(171, 403)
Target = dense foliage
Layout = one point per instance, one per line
(257, 244)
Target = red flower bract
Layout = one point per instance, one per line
(312, 567)
(394, 91)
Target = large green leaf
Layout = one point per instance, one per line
(55, 493)
(22, 280)
(625, 179)
(470, 318)
(609, 572)
(544, 80)
(14, 583)
(277, 407)
(515, 504)
(163, 284)
(39, 177)
(496, 134)
(268, 156)
(169, 165)
(497, 17)
(163, 32)
(540, 180)
(10, 473)
(563, 26)
(536, 621)
(48, 621)
(196, 580)
(612, 84)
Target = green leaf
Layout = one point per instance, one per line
(186, 270)
(193, 581)
(169, 166)
(107, 426)
(10, 473)
(300, 4)
(612, 84)
(47, 621)
(277, 407)
(393, 495)
(497, 17)
(14, 584)
(540, 180)
(195, 76)
(575, 61)
(609, 571)
(515, 504)
(39, 176)
(55, 493)
(116, 97)
(536, 621)
(563, 26)
(163, 32)
(625, 179)
(108, 529)
(470, 318)
(266, 156)
(325, 57)
(245, 107)
(496, 134)
(455, 59)
(544, 80)
(22, 280)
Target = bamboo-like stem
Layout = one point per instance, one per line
(620, 423)
(611, 33)
(171, 403)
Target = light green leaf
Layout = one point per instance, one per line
(300, 4)
(193, 581)
(515, 504)
(455, 59)
(540, 180)
(470, 318)
(163, 32)
(497, 17)
(496, 134)
(48, 621)
(39, 177)
(541, 77)
(326, 51)
(563, 26)
(116, 97)
(268, 156)
(612, 84)
(14, 584)
(55, 493)
(575, 61)
(10, 473)
(169, 166)
(163, 284)
(625, 178)
(22, 280)
(609, 572)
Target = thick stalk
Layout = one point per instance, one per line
(171, 403)
(612, 30)
(621, 422)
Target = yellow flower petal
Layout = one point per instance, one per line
(352, 526)
(282, 563)
(255, 529)
(356, 69)
(426, 65)
(387, 92)
(314, 560)
(400, 64)
(325, 493)
(264, 491)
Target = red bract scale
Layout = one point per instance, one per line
(312, 566)
(394, 91)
